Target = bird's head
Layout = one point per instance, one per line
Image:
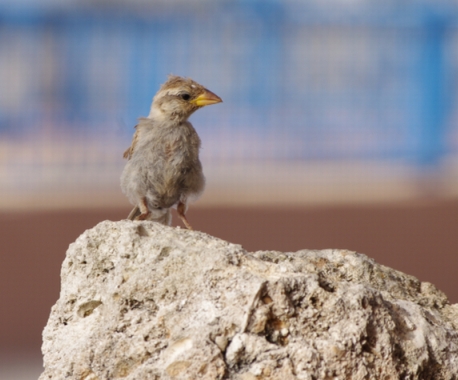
(179, 97)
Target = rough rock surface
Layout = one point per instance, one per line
(140, 300)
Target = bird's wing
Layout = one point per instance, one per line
(130, 150)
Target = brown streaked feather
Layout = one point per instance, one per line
(130, 150)
(169, 185)
(169, 151)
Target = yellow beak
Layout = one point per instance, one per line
(206, 98)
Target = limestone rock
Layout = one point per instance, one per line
(140, 300)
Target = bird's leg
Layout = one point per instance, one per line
(143, 206)
(181, 209)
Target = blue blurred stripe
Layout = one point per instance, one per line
(374, 81)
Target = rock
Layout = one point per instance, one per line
(140, 300)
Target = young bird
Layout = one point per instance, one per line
(163, 168)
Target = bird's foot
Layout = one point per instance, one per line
(185, 222)
(181, 209)
(143, 216)
(144, 212)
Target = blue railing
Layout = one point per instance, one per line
(300, 82)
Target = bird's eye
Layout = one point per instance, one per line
(185, 96)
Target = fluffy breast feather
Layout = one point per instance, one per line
(166, 160)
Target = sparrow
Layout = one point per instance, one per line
(163, 170)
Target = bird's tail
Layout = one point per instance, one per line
(163, 216)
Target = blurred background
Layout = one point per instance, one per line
(339, 129)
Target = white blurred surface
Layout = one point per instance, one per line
(50, 172)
